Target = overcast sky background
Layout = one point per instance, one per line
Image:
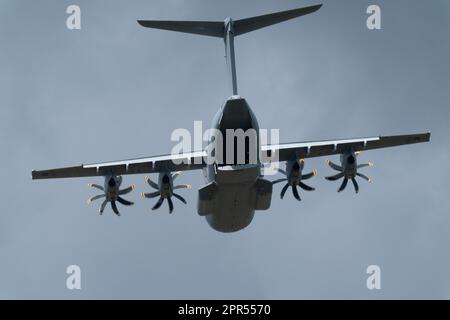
(114, 90)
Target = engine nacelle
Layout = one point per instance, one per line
(111, 187)
(294, 171)
(165, 184)
(349, 164)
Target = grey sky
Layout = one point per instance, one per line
(115, 90)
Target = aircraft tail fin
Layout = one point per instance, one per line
(229, 29)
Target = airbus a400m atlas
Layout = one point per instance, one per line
(233, 191)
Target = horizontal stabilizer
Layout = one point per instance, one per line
(205, 28)
(250, 24)
(217, 28)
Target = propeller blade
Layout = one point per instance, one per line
(119, 180)
(180, 198)
(151, 183)
(150, 195)
(343, 185)
(169, 201)
(364, 177)
(102, 207)
(127, 190)
(114, 207)
(95, 198)
(282, 171)
(334, 166)
(93, 185)
(175, 175)
(309, 175)
(355, 184)
(305, 186)
(302, 164)
(370, 164)
(158, 204)
(182, 186)
(124, 202)
(278, 181)
(283, 191)
(335, 177)
(295, 193)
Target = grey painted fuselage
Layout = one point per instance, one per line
(234, 192)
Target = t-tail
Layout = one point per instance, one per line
(229, 29)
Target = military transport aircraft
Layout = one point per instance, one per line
(233, 191)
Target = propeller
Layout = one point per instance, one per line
(348, 170)
(294, 178)
(165, 189)
(111, 193)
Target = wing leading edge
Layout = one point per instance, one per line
(177, 162)
(303, 150)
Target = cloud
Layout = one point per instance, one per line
(114, 90)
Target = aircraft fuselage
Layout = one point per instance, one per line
(234, 191)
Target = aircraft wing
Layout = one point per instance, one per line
(176, 162)
(302, 150)
(194, 160)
